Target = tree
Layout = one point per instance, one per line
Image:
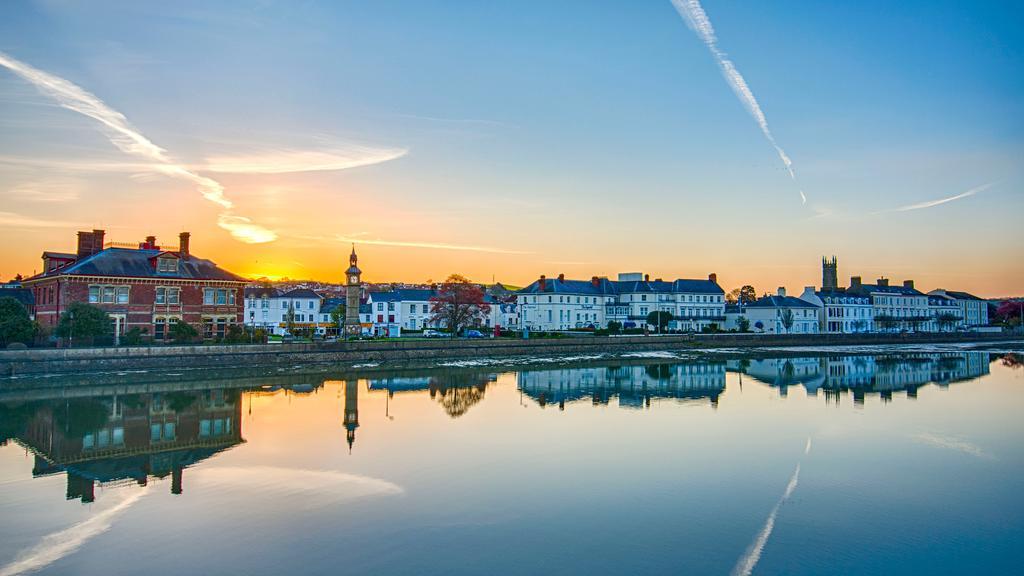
(660, 318)
(83, 322)
(134, 336)
(458, 304)
(787, 319)
(614, 327)
(743, 324)
(747, 294)
(15, 324)
(289, 319)
(338, 317)
(182, 332)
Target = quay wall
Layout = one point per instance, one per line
(418, 352)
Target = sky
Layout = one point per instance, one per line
(508, 140)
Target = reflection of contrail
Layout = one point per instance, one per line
(130, 141)
(953, 444)
(745, 565)
(698, 21)
(55, 546)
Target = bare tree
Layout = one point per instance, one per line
(458, 304)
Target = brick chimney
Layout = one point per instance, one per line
(183, 245)
(883, 281)
(647, 277)
(149, 244)
(908, 284)
(595, 281)
(855, 282)
(561, 277)
(713, 277)
(543, 283)
(89, 243)
(782, 290)
(658, 280)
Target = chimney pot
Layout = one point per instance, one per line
(883, 281)
(561, 277)
(595, 281)
(183, 248)
(854, 281)
(908, 284)
(713, 277)
(647, 277)
(782, 290)
(543, 282)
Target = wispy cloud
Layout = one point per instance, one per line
(13, 220)
(47, 190)
(55, 546)
(941, 201)
(427, 245)
(698, 21)
(131, 141)
(281, 161)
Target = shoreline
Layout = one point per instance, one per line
(391, 354)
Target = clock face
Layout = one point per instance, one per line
(353, 279)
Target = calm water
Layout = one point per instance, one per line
(896, 463)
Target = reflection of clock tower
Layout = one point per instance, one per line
(352, 292)
(351, 418)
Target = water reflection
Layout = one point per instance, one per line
(117, 439)
(112, 440)
(862, 375)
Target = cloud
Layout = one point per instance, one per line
(941, 201)
(283, 161)
(428, 245)
(48, 190)
(131, 141)
(698, 21)
(53, 547)
(13, 220)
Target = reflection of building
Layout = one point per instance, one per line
(634, 385)
(457, 392)
(864, 374)
(112, 439)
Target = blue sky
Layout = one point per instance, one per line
(576, 137)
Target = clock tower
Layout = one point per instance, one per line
(353, 288)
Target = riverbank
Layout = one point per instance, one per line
(412, 353)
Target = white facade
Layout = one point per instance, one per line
(974, 310)
(768, 315)
(841, 312)
(896, 308)
(269, 309)
(561, 304)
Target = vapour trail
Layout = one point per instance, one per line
(745, 565)
(939, 202)
(698, 21)
(131, 141)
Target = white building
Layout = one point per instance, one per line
(974, 310)
(404, 308)
(273, 310)
(895, 308)
(771, 314)
(841, 312)
(561, 304)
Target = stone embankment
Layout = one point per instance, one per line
(418, 352)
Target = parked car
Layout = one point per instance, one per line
(472, 334)
(432, 334)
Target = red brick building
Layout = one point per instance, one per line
(143, 286)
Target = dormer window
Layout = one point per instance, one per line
(167, 264)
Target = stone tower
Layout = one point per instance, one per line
(829, 274)
(353, 288)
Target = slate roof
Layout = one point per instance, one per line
(606, 287)
(23, 295)
(962, 295)
(331, 304)
(897, 289)
(780, 302)
(260, 292)
(403, 295)
(300, 293)
(130, 263)
(859, 298)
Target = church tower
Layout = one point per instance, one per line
(829, 274)
(353, 289)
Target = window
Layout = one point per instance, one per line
(122, 294)
(94, 294)
(161, 295)
(209, 294)
(222, 297)
(167, 265)
(173, 295)
(231, 297)
(380, 306)
(310, 305)
(264, 302)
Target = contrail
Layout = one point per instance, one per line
(130, 141)
(941, 201)
(745, 565)
(53, 547)
(698, 21)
